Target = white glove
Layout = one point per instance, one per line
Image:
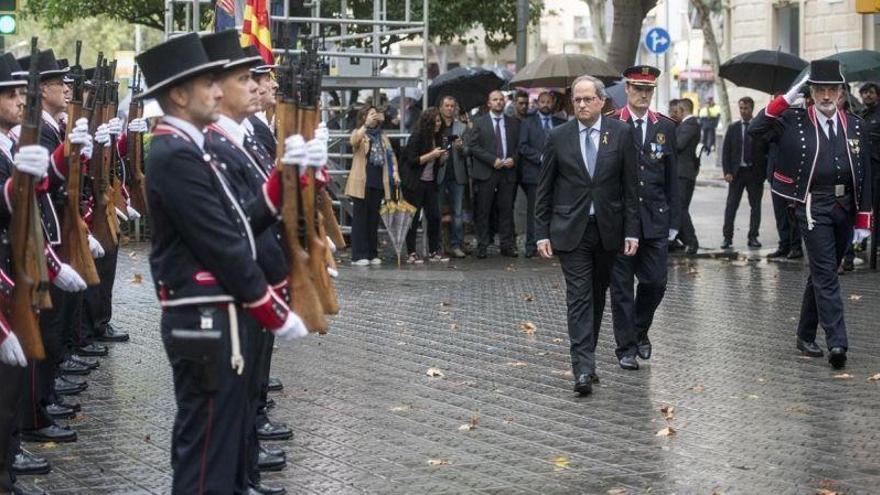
(11, 352)
(795, 89)
(317, 153)
(102, 135)
(132, 213)
(322, 133)
(122, 215)
(293, 328)
(68, 280)
(294, 151)
(95, 247)
(137, 125)
(860, 235)
(80, 135)
(331, 245)
(114, 126)
(333, 273)
(673, 233)
(32, 160)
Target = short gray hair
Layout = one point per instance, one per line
(598, 85)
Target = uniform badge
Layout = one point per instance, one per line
(605, 138)
(854, 146)
(661, 138)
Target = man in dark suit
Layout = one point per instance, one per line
(587, 211)
(495, 138)
(532, 136)
(659, 214)
(741, 172)
(687, 137)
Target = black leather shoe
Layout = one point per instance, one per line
(91, 363)
(849, 265)
(73, 405)
(692, 250)
(266, 462)
(275, 384)
(676, 245)
(27, 463)
(58, 411)
(51, 433)
(93, 350)
(753, 243)
(795, 254)
(261, 489)
(481, 253)
(270, 403)
(110, 334)
(837, 357)
(271, 431)
(808, 348)
(584, 384)
(727, 244)
(273, 451)
(643, 349)
(67, 387)
(71, 367)
(594, 378)
(779, 253)
(629, 363)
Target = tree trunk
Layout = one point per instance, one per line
(705, 20)
(597, 22)
(627, 30)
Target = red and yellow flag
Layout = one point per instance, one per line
(256, 30)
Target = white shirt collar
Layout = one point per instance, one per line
(823, 120)
(187, 128)
(51, 121)
(596, 125)
(262, 116)
(248, 127)
(6, 144)
(233, 129)
(691, 116)
(632, 114)
(497, 116)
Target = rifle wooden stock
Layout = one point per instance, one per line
(304, 298)
(104, 214)
(135, 162)
(329, 259)
(329, 220)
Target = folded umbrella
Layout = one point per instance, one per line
(770, 71)
(470, 86)
(560, 70)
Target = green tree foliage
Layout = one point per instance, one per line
(59, 13)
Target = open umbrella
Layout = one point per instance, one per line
(559, 70)
(770, 71)
(397, 215)
(856, 65)
(470, 86)
(617, 93)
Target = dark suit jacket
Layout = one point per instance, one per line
(731, 152)
(482, 147)
(687, 137)
(566, 191)
(532, 137)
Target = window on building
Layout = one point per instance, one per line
(788, 31)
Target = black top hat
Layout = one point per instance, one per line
(8, 70)
(252, 51)
(46, 64)
(825, 72)
(174, 61)
(225, 45)
(641, 75)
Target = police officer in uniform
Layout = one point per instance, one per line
(213, 293)
(660, 214)
(824, 166)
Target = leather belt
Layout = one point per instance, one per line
(837, 190)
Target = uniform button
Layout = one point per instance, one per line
(641, 183)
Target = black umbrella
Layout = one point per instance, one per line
(770, 71)
(470, 86)
(856, 65)
(617, 93)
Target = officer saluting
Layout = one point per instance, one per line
(824, 166)
(659, 212)
(203, 263)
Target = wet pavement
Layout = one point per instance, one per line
(749, 414)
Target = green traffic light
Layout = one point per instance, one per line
(8, 25)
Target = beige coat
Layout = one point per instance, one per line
(357, 177)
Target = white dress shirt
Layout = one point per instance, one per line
(823, 122)
(187, 128)
(594, 131)
(233, 129)
(644, 119)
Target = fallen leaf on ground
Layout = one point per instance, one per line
(137, 279)
(400, 408)
(797, 409)
(752, 397)
(48, 445)
(508, 419)
(510, 268)
(561, 462)
(435, 372)
(147, 438)
(666, 432)
(438, 462)
(618, 491)
(528, 327)
(697, 388)
(825, 491)
(874, 378)
(442, 312)
(668, 412)
(453, 327)
(517, 364)
(557, 340)
(542, 353)
(843, 376)
(528, 297)
(855, 297)
(472, 424)
(445, 303)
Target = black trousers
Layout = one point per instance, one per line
(426, 196)
(98, 300)
(259, 359)
(365, 224)
(708, 138)
(502, 193)
(786, 224)
(687, 233)
(826, 244)
(531, 191)
(750, 179)
(208, 453)
(587, 271)
(11, 394)
(633, 310)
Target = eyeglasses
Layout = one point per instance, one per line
(584, 99)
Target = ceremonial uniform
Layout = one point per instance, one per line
(262, 133)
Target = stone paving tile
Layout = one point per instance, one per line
(751, 415)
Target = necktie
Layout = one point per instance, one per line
(499, 144)
(747, 145)
(831, 134)
(546, 123)
(639, 136)
(591, 151)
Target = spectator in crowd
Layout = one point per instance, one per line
(521, 105)
(737, 160)
(709, 116)
(424, 157)
(454, 178)
(673, 110)
(373, 172)
(687, 137)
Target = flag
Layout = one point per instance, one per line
(224, 15)
(256, 30)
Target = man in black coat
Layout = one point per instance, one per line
(587, 211)
(532, 136)
(687, 137)
(495, 138)
(743, 174)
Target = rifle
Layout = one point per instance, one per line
(329, 221)
(103, 215)
(74, 231)
(304, 297)
(135, 162)
(308, 118)
(29, 271)
(115, 182)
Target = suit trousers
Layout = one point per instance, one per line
(502, 193)
(587, 271)
(633, 310)
(750, 179)
(531, 191)
(826, 244)
(687, 233)
(208, 453)
(98, 300)
(11, 395)
(365, 224)
(258, 359)
(786, 224)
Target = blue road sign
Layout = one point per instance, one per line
(657, 40)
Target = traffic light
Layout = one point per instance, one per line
(8, 20)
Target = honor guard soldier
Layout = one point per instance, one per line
(824, 166)
(659, 212)
(212, 291)
(257, 125)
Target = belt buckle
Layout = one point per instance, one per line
(839, 190)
